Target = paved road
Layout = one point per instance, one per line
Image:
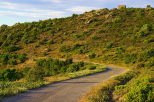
(65, 91)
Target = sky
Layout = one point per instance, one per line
(14, 11)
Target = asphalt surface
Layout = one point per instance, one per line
(65, 91)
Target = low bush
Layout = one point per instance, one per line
(65, 48)
(136, 90)
(149, 40)
(110, 45)
(12, 59)
(120, 50)
(69, 61)
(101, 31)
(11, 48)
(117, 20)
(95, 38)
(93, 55)
(73, 68)
(144, 31)
(22, 57)
(130, 58)
(12, 62)
(127, 76)
(149, 53)
(81, 64)
(10, 75)
(35, 74)
(51, 67)
(43, 41)
(92, 67)
(150, 64)
(140, 91)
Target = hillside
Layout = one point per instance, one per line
(118, 36)
(114, 35)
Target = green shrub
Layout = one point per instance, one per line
(117, 20)
(73, 68)
(4, 58)
(110, 45)
(69, 61)
(130, 58)
(150, 64)
(119, 87)
(35, 74)
(25, 71)
(77, 36)
(139, 91)
(22, 57)
(10, 75)
(93, 55)
(126, 77)
(149, 53)
(120, 50)
(11, 48)
(12, 59)
(65, 48)
(50, 42)
(45, 53)
(80, 64)
(43, 41)
(50, 67)
(92, 67)
(148, 40)
(3, 27)
(12, 62)
(95, 38)
(29, 40)
(140, 65)
(146, 27)
(76, 46)
(141, 34)
(80, 51)
(101, 31)
(144, 31)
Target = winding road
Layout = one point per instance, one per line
(65, 91)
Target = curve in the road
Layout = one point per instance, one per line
(65, 91)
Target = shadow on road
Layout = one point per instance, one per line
(79, 82)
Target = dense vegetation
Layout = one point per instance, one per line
(117, 36)
(52, 67)
(45, 71)
(11, 59)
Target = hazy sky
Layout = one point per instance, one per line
(13, 11)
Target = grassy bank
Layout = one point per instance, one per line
(132, 86)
